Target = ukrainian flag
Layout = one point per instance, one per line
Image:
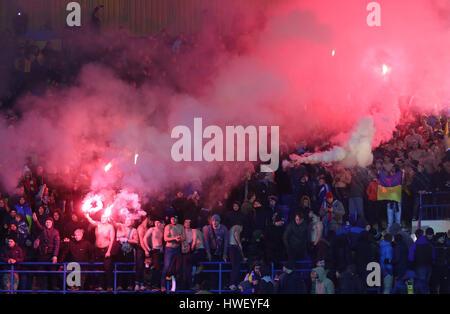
(390, 188)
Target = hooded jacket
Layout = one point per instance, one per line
(323, 285)
(386, 257)
(336, 215)
(290, 283)
(295, 236)
(14, 253)
(49, 241)
(400, 259)
(400, 287)
(422, 253)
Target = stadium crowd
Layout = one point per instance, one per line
(324, 213)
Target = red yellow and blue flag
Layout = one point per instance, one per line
(390, 188)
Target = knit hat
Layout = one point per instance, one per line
(329, 195)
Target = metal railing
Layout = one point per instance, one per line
(223, 267)
(20, 268)
(437, 209)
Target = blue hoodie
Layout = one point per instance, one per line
(422, 252)
(386, 252)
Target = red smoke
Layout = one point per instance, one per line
(284, 73)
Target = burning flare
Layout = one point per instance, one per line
(92, 204)
(108, 166)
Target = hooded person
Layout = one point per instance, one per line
(295, 237)
(386, 257)
(234, 216)
(422, 255)
(400, 256)
(395, 228)
(410, 284)
(290, 281)
(321, 284)
(349, 282)
(331, 211)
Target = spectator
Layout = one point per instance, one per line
(11, 254)
(422, 255)
(331, 213)
(234, 216)
(316, 229)
(440, 281)
(320, 283)
(252, 279)
(104, 241)
(386, 258)
(173, 236)
(265, 284)
(358, 186)
(47, 245)
(410, 284)
(236, 254)
(295, 238)
(140, 255)
(127, 240)
(153, 244)
(400, 256)
(373, 205)
(23, 208)
(290, 281)
(349, 281)
(216, 240)
(81, 251)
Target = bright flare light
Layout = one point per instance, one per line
(333, 53)
(135, 158)
(108, 166)
(107, 212)
(92, 204)
(386, 69)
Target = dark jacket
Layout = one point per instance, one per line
(291, 283)
(400, 259)
(233, 217)
(295, 236)
(49, 242)
(350, 282)
(217, 241)
(14, 253)
(422, 253)
(400, 287)
(78, 251)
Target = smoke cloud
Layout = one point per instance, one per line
(280, 71)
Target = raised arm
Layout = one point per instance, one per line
(91, 221)
(112, 236)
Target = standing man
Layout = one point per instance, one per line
(48, 249)
(153, 245)
(141, 253)
(173, 235)
(12, 254)
(295, 238)
(216, 240)
(78, 250)
(104, 240)
(422, 254)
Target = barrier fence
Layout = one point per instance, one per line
(222, 268)
(434, 206)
